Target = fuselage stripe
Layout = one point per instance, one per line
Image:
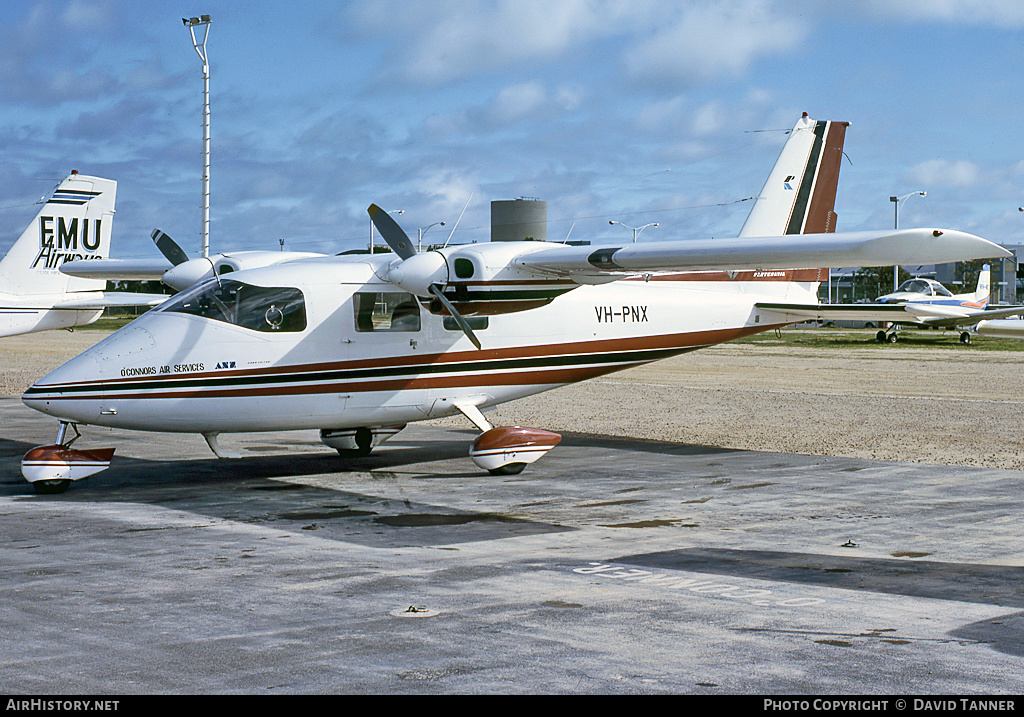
(550, 364)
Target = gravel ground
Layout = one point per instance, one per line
(952, 405)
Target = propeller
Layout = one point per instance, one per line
(167, 246)
(416, 271)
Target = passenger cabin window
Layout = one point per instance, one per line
(259, 308)
(386, 311)
(477, 323)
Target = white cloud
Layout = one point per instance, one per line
(517, 101)
(657, 40)
(992, 13)
(706, 41)
(449, 190)
(453, 40)
(82, 16)
(944, 173)
(530, 99)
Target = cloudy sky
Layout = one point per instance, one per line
(662, 111)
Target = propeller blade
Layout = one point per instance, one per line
(169, 248)
(463, 324)
(393, 234)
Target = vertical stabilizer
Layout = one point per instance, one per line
(800, 194)
(74, 223)
(984, 289)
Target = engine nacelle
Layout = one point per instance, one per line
(418, 272)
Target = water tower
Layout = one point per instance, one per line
(519, 220)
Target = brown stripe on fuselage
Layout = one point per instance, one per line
(668, 344)
(779, 275)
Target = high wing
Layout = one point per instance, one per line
(876, 248)
(908, 313)
(176, 270)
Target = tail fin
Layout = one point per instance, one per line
(74, 223)
(800, 194)
(984, 290)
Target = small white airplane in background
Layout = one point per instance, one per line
(924, 290)
(73, 225)
(358, 345)
(916, 302)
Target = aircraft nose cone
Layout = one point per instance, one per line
(73, 391)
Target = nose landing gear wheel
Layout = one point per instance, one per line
(51, 487)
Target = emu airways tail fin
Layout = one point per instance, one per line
(800, 194)
(74, 223)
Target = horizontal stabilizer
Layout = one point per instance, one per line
(117, 269)
(920, 314)
(833, 312)
(105, 299)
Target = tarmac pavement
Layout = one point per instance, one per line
(613, 565)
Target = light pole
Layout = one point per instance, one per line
(192, 23)
(393, 211)
(422, 231)
(636, 230)
(896, 225)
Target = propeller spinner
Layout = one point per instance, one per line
(417, 272)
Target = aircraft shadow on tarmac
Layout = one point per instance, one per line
(961, 582)
(251, 490)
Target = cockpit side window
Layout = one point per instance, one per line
(259, 308)
(386, 311)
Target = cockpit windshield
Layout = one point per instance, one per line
(259, 308)
(916, 286)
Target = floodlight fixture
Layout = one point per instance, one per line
(636, 230)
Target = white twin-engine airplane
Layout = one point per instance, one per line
(73, 225)
(359, 345)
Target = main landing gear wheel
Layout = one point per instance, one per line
(509, 469)
(51, 487)
(364, 444)
(965, 338)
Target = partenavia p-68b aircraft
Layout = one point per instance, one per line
(73, 225)
(359, 345)
(916, 302)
